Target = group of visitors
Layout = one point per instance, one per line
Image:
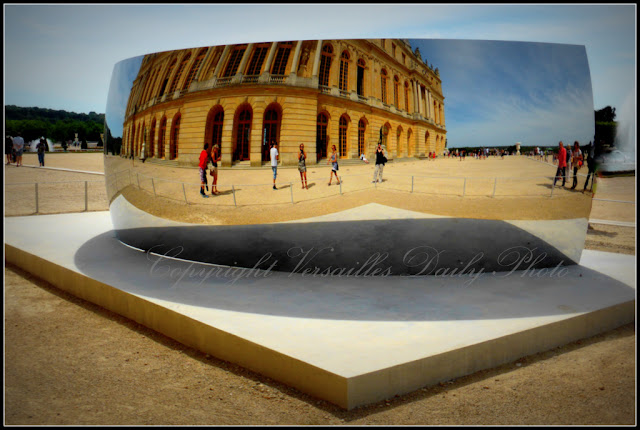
(13, 148)
(209, 159)
(574, 158)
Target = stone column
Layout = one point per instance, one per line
(226, 144)
(204, 63)
(243, 63)
(264, 77)
(222, 59)
(296, 59)
(316, 61)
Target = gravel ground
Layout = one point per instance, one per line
(69, 362)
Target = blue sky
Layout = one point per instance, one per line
(63, 56)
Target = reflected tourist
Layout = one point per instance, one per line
(333, 159)
(215, 158)
(302, 166)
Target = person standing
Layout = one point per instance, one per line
(18, 146)
(8, 149)
(591, 165)
(380, 162)
(215, 157)
(302, 166)
(41, 147)
(576, 162)
(275, 156)
(334, 164)
(202, 168)
(562, 164)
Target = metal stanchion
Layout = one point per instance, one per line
(495, 182)
(291, 188)
(86, 196)
(233, 190)
(464, 187)
(185, 194)
(412, 184)
(36, 197)
(154, 188)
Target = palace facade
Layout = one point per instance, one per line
(348, 93)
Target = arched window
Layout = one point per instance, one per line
(361, 66)
(399, 141)
(269, 130)
(137, 142)
(143, 138)
(321, 136)
(325, 65)
(409, 146)
(406, 96)
(178, 74)
(344, 71)
(173, 139)
(243, 135)
(342, 137)
(383, 85)
(396, 89)
(361, 130)
(194, 69)
(216, 130)
(161, 135)
(166, 77)
(152, 135)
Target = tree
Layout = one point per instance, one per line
(607, 114)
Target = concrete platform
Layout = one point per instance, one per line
(351, 340)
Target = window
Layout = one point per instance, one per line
(234, 61)
(173, 142)
(406, 96)
(152, 135)
(342, 137)
(194, 69)
(243, 135)
(282, 56)
(396, 85)
(361, 66)
(166, 77)
(269, 131)
(216, 130)
(163, 131)
(383, 85)
(393, 50)
(404, 59)
(361, 130)
(255, 65)
(176, 78)
(325, 65)
(344, 71)
(321, 136)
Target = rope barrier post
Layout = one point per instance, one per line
(36, 197)
(233, 190)
(464, 187)
(340, 185)
(495, 182)
(291, 188)
(86, 196)
(411, 183)
(185, 194)
(154, 188)
(138, 176)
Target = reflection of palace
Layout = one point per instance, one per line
(321, 93)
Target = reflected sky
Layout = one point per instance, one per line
(124, 73)
(498, 93)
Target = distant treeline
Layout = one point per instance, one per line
(57, 125)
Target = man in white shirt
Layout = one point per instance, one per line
(18, 145)
(274, 161)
